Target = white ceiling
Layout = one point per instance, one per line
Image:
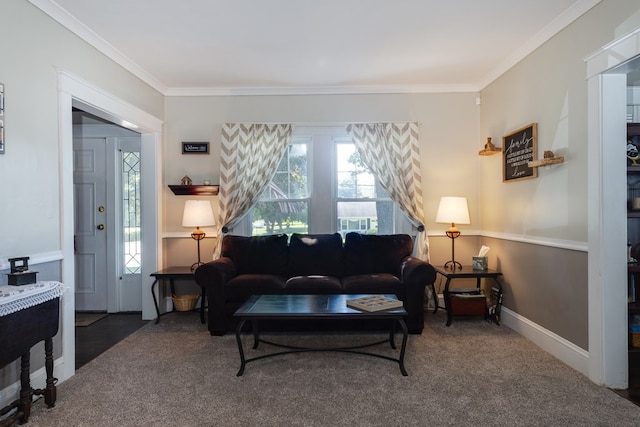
(201, 47)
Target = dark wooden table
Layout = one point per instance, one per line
(172, 274)
(19, 332)
(467, 272)
(305, 307)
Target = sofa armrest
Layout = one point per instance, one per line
(212, 276)
(414, 271)
(415, 275)
(215, 273)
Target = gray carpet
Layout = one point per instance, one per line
(470, 374)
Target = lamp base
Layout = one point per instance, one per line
(195, 265)
(452, 265)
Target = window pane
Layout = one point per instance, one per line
(279, 217)
(290, 180)
(362, 206)
(131, 214)
(283, 206)
(365, 217)
(354, 178)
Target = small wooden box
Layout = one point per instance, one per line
(468, 304)
(23, 278)
(20, 273)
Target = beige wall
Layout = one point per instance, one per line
(34, 48)
(448, 139)
(547, 282)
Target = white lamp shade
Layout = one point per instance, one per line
(197, 213)
(453, 210)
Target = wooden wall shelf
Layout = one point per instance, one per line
(545, 162)
(195, 190)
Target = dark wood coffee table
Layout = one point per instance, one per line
(317, 307)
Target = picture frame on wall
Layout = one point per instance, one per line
(1, 118)
(518, 149)
(195, 148)
(1, 100)
(1, 136)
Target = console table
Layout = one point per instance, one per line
(29, 314)
(467, 272)
(171, 274)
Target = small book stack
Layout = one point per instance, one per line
(374, 303)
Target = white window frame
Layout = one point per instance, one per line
(321, 167)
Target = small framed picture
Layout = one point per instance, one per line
(1, 136)
(518, 149)
(195, 148)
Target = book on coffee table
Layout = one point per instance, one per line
(374, 303)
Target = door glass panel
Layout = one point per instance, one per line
(131, 215)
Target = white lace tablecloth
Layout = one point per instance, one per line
(16, 298)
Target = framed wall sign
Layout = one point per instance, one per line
(1, 118)
(519, 148)
(195, 148)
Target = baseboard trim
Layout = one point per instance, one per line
(569, 353)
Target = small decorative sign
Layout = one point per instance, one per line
(518, 149)
(195, 148)
(1, 118)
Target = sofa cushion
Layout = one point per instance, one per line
(257, 254)
(243, 286)
(313, 285)
(382, 283)
(316, 254)
(369, 254)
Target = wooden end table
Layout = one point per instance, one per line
(171, 274)
(467, 272)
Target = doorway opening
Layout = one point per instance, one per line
(107, 215)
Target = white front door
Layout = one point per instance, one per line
(90, 219)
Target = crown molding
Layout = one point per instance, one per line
(324, 90)
(56, 12)
(554, 27)
(60, 15)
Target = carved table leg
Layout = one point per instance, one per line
(50, 390)
(24, 404)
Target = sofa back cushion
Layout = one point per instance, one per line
(372, 253)
(257, 254)
(316, 254)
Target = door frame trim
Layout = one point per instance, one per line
(73, 90)
(608, 348)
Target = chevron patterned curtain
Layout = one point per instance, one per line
(249, 157)
(392, 153)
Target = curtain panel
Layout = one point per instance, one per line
(392, 152)
(249, 157)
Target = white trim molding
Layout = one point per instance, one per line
(567, 352)
(606, 194)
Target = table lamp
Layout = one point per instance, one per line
(453, 210)
(197, 213)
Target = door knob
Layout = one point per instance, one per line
(100, 226)
(100, 208)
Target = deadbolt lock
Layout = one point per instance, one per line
(100, 226)
(100, 208)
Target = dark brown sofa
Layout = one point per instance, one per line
(313, 264)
